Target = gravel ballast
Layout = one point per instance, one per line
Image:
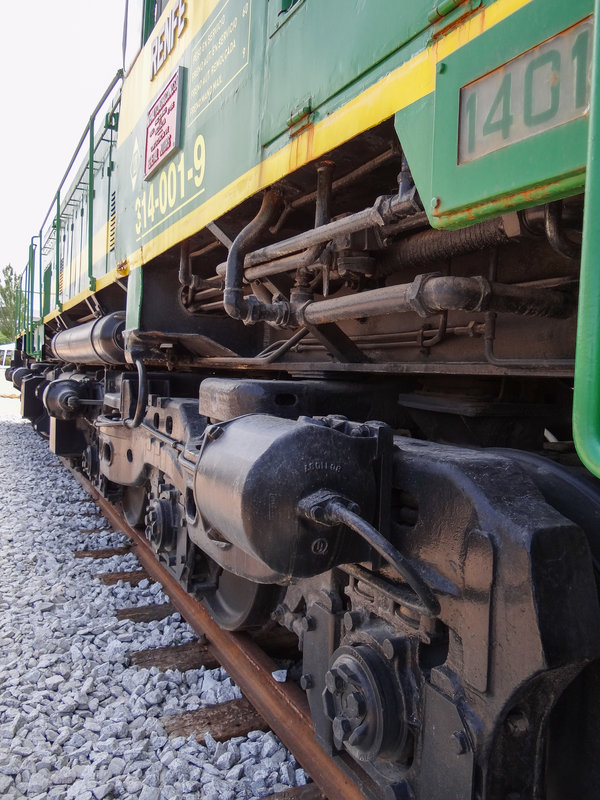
(76, 721)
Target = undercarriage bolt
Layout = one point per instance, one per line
(352, 620)
(214, 432)
(306, 682)
(341, 728)
(356, 706)
(358, 735)
(391, 648)
(334, 681)
(320, 546)
(308, 624)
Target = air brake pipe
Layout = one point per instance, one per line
(234, 302)
(412, 251)
(249, 309)
(430, 294)
(586, 398)
(385, 210)
(302, 260)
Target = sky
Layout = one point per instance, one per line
(56, 59)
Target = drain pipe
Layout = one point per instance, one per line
(250, 309)
(586, 398)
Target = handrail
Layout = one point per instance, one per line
(54, 215)
(586, 398)
(84, 136)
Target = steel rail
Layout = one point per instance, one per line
(282, 705)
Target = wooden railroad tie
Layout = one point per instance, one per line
(192, 655)
(309, 792)
(107, 552)
(223, 721)
(146, 613)
(90, 531)
(135, 577)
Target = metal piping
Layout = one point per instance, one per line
(322, 214)
(431, 294)
(185, 265)
(250, 310)
(302, 261)
(234, 302)
(385, 210)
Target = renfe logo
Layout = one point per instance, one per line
(164, 42)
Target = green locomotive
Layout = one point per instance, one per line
(316, 302)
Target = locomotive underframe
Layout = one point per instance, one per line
(449, 664)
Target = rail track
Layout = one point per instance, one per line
(282, 706)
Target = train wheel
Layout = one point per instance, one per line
(238, 604)
(133, 503)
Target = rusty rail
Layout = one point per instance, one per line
(282, 705)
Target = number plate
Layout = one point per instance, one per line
(541, 89)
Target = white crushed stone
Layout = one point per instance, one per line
(76, 721)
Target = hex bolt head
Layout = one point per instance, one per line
(341, 728)
(306, 681)
(358, 735)
(334, 681)
(308, 624)
(356, 706)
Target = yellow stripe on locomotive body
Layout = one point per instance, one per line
(242, 127)
(404, 81)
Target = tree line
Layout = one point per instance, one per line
(9, 284)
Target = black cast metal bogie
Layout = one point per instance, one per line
(239, 509)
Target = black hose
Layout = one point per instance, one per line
(338, 512)
(142, 398)
(557, 239)
(233, 296)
